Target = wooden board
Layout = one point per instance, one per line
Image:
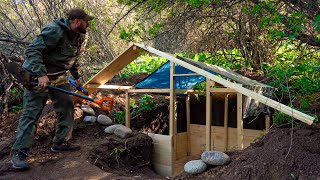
(262, 99)
(182, 145)
(115, 87)
(127, 110)
(208, 114)
(115, 66)
(239, 121)
(225, 123)
(172, 111)
(225, 72)
(162, 155)
(188, 124)
(267, 119)
(197, 139)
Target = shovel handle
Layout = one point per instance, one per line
(97, 101)
(103, 100)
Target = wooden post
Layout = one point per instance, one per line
(208, 115)
(239, 121)
(172, 127)
(267, 118)
(226, 105)
(127, 109)
(188, 125)
(212, 84)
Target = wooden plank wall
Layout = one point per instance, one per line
(198, 138)
(162, 154)
(182, 145)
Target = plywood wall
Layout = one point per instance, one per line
(162, 155)
(182, 145)
(198, 134)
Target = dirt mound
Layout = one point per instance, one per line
(128, 156)
(269, 158)
(76, 165)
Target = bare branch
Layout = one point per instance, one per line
(15, 41)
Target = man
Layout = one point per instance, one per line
(51, 54)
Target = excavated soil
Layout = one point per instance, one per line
(272, 158)
(97, 158)
(126, 156)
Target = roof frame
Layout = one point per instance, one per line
(136, 49)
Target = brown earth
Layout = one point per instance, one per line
(88, 163)
(272, 158)
(108, 157)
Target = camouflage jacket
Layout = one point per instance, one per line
(54, 51)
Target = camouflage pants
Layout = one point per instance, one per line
(33, 103)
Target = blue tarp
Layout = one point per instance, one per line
(161, 78)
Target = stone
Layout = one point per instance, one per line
(104, 120)
(215, 158)
(90, 119)
(123, 131)
(88, 110)
(195, 167)
(110, 129)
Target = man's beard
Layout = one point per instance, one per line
(82, 30)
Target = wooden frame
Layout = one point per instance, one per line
(226, 107)
(265, 100)
(239, 121)
(115, 66)
(208, 115)
(135, 49)
(172, 148)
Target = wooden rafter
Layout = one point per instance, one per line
(265, 100)
(115, 66)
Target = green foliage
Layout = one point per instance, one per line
(17, 108)
(302, 72)
(146, 103)
(120, 117)
(155, 29)
(199, 3)
(281, 24)
(281, 118)
(144, 64)
(229, 59)
(316, 23)
(133, 107)
(200, 86)
(16, 92)
(125, 35)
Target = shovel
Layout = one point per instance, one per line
(100, 102)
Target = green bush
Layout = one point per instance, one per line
(144, 64)
(120, 117)
(146, 103)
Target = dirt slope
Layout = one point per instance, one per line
(268, 159)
